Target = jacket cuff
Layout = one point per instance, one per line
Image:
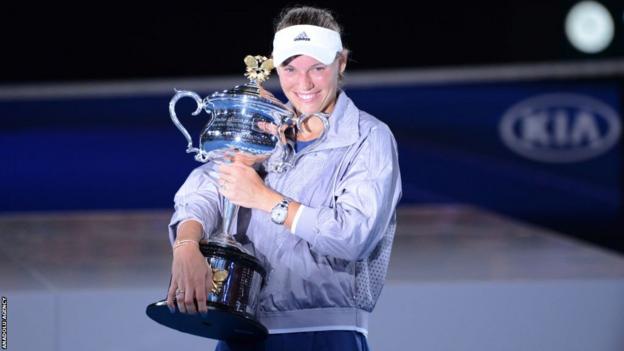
(306, 227)
(293, 227)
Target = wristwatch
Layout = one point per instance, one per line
(280, 211)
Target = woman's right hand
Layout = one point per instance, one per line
(191, 274)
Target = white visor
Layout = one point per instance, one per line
(320, 43)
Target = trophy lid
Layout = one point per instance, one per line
(258, 71)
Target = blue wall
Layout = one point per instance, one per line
(124, 153)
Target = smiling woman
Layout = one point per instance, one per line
(324, 226)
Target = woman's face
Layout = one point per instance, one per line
(310, 85)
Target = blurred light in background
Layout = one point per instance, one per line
(589, 27)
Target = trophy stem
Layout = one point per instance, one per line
(230, 213)
(225, 238)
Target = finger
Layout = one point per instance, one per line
(228, 179)
(180, 302)
(225, 169)
(239, 163)
(233, 172)
(224, 154)
(229, 154)
(222, 186)
(200, 294)
(189, 300)
(171, 297)
(224, 179)
(242, 157)
(241, 160)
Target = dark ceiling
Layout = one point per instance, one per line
(95, 41)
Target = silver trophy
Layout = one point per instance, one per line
(242, 120)
(258, 125)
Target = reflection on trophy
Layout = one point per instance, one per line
(239, 119)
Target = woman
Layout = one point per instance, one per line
(324, 226)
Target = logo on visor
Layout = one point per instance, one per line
(302, 36)
(560, 128)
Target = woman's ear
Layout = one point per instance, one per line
(343, 56)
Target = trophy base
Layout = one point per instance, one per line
(218, 323)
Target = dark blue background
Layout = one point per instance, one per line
(124, 153)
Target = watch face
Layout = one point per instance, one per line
(279, 214)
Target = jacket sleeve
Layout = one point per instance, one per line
(197, 199)
(365, 201)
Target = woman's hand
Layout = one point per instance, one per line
(191, 280)
(234, 155)
(240, 184)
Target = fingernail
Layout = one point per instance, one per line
(171, 309)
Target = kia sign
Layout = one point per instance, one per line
(560, 128)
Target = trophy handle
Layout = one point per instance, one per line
(322, 116)
(324, 119)
(201, 155)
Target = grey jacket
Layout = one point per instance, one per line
(328, 274)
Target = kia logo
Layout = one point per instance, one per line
(560, 128)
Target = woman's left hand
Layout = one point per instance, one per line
(240, 184)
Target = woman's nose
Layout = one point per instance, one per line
(305, 82)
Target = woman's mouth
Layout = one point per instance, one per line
(306, 97)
